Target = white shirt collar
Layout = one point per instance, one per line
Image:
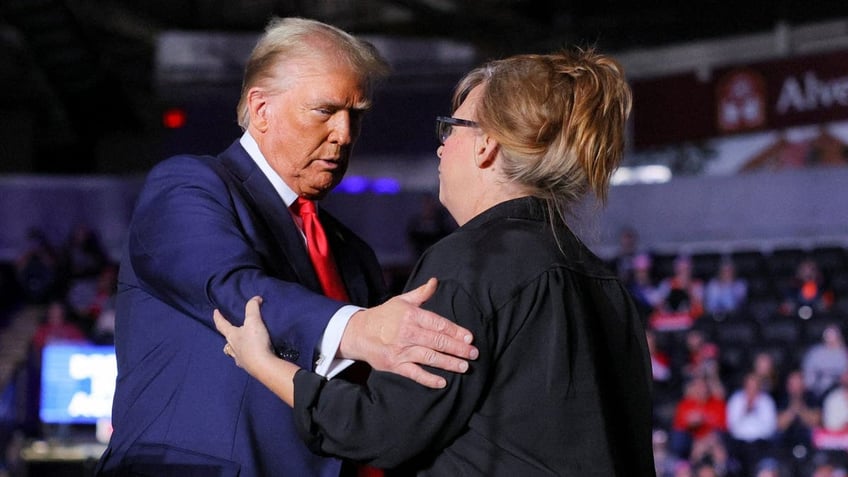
(283, 190)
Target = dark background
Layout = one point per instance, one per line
(77, 90)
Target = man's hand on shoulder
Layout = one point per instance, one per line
(398, 336)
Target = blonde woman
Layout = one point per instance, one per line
(561, 386)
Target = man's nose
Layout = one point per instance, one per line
(342, 129)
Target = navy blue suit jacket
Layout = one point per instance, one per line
(211, 232)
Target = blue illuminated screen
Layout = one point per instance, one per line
(77, 383)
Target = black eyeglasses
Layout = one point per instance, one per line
(445, 124)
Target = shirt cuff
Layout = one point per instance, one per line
(327, 364)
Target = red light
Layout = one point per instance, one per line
(174, 118)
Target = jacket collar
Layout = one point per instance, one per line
(531, 208)
(273, 210)
(285, 232)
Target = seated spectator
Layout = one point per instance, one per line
(83, 255)
(751, 423)
(828, 469)
(835, 407)
(703, 356)
(683, 469)
(628, 249)
(665, 462)
(699, 415)
(709, 456)
(798, 413)
(768, 467)
(83, 258)
(825, 362)
(55, 327)
(765, 369)
(641, 286)
(37, 268)
(725, 292)
(681, 292)
(807, 292)
(705, 469)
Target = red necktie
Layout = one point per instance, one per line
(328, 275)
(319, 250)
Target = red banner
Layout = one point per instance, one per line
(755, 97)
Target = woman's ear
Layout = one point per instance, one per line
(486, 150)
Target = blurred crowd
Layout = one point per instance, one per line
(750, 369)
(749, 359)
(75, 281)
(65, 292)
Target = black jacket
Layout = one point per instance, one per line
(562, 384)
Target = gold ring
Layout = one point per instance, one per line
(228, 350)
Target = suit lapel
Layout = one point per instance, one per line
(285, 234)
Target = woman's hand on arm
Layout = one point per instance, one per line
(250, 346)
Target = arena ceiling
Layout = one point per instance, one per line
(67, 58)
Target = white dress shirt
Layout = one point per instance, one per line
(754, 422)
(835, 410)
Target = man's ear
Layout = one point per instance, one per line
(486, 150)
(257, 107)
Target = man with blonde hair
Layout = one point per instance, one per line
(210, 232)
